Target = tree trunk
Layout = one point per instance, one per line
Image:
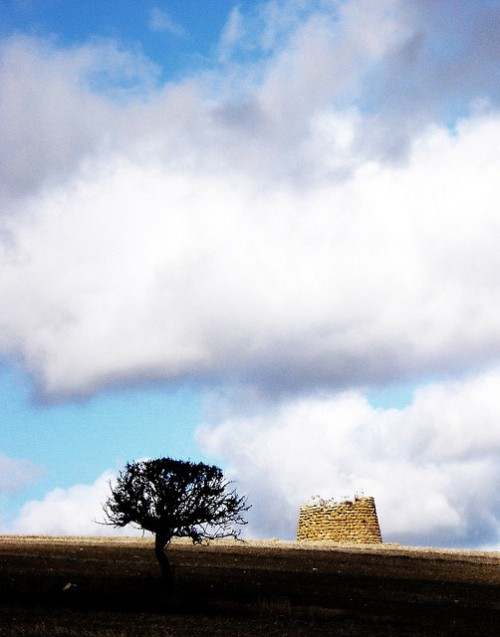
(167, 576)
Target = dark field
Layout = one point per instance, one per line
(110, 588)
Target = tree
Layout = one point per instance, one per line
(174, 498)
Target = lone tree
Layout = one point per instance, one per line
(174, 498)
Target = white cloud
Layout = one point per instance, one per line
(59, 106)
(231, 34)
(161, 21)
(15, 474)
(73, 511)
(327, 55)
(433, 467)
(140, 267)
(239, 236)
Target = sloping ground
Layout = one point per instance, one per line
(234, 588)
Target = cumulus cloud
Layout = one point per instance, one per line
(433, 466)
(231, 230)
(73, 511)
(57, 106)
(138, 268)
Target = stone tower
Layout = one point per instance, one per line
(353, 522)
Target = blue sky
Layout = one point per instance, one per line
(80, 438)
(180, 37)
(261, 234)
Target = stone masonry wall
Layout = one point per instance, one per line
(353, 522)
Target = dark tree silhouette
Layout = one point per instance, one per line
(174, 498)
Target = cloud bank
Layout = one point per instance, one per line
(221, 232)
(433, 467)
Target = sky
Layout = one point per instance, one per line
(257, 234)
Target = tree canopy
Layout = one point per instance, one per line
(175, 498)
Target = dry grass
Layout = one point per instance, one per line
(28, 542)
(109, 587)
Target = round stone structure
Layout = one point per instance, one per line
(350, 522)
